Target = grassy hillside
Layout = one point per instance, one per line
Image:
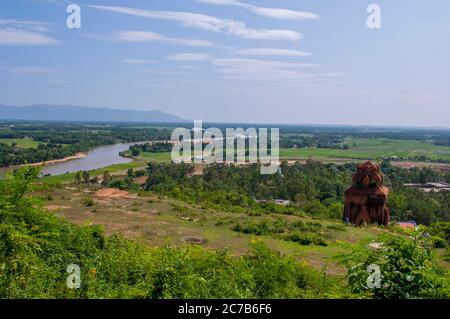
(252, 260)
(159, 221)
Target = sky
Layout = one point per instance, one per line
(285, 61)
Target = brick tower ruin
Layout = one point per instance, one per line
(365, 200)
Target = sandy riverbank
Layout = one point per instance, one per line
(60, 160)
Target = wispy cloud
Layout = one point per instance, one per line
(25, 32)
(208, 23)
(270, 52)
(276, 13)
(30, 25)
(146, 36)
(189, 57)
(189, 67)
(257, 66)
(263, 70)
(20, 70)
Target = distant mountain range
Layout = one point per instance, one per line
(75, 113)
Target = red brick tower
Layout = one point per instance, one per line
(365, 200)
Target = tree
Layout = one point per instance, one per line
(86, 177)
(135, 153)
(78, 178)
(106, 178)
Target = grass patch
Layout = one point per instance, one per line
(373, 148)
(21, 142)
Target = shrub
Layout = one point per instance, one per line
(306, 238)
(178, 208)
(439, 242)
(88, 201)
(262, 228)
(313, 227)
(407, 266)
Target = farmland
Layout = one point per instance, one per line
(375, 149)
(20, 142)
(222, 211)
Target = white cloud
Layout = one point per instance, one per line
(189, 57)
(30, 25)
(208, 23)
(10, 36)
(189, 67)
(25, 32)
(276, 13)
(146, 36)
(259, 64)
(284, 14)
(280, 72)
(137, 36)
(270, 52)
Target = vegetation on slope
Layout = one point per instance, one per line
(36, 248)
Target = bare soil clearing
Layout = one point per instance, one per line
(113, 193)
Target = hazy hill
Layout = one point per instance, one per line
(82, 113)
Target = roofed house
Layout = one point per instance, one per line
(408, 224)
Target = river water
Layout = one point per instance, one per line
(97, 158)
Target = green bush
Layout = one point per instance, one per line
(313, 227)
(439, 242)
(88, 201)
(263, 227)
(440, 229)
(306, 238)
(407, 267)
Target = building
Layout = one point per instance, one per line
(439, 187)
(408, 224)
(365, 200)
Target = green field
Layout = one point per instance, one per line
(139, 163)
(21, 142)
(376, 148)
(116, 168)
(359, 149)
(154, 221)
(157, 157)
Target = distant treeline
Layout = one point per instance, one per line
(62, 140)
(156, 147)
(314, 188)
(321, 140)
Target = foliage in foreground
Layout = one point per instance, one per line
(406, 264)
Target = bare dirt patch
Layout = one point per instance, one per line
(194, 240)
(56, 207)
(140, 180)
(437, 167)
(112, 193)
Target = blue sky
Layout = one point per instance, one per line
(262, 61)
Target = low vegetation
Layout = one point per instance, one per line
(37, 247)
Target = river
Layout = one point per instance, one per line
(96, 158)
